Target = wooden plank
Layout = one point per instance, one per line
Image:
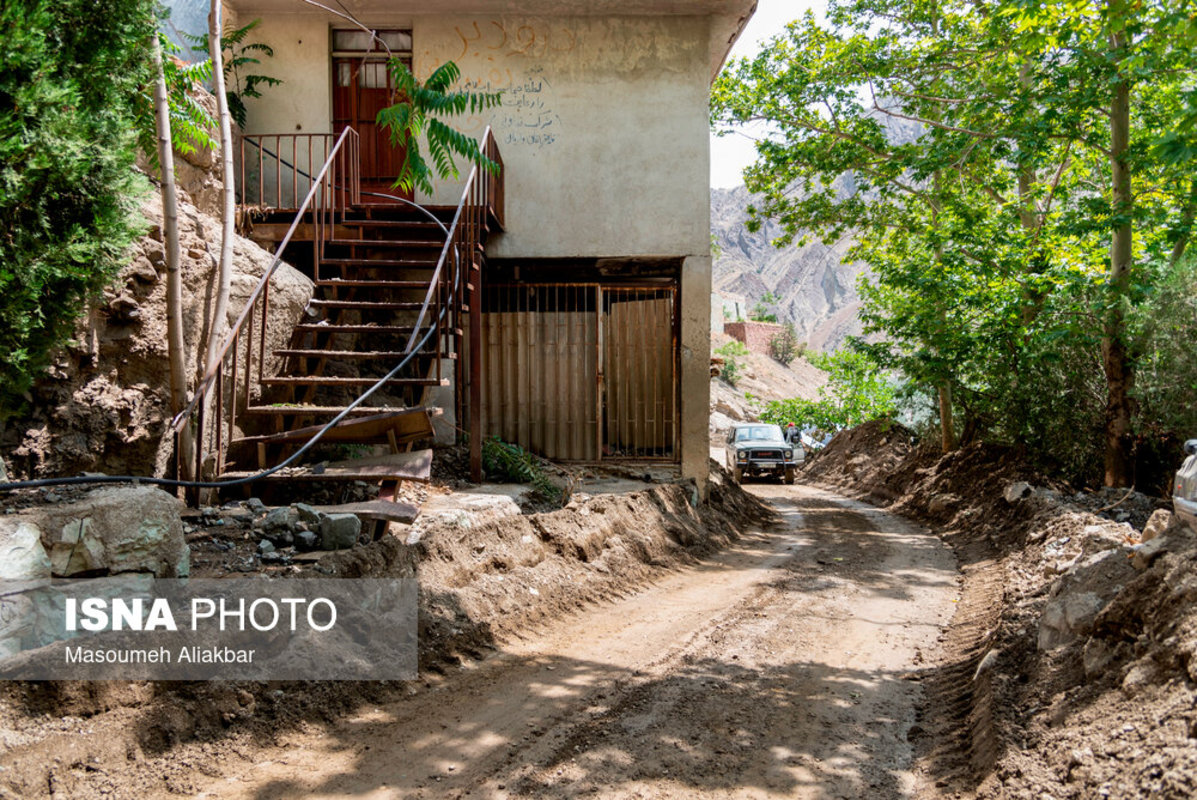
(407, 425)
(415, 466)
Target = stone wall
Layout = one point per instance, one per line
(755, 335)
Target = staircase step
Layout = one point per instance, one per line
(296, 409)
(412, 224)
(391, 243)
(326, 380)
(405, 425)
(346, 355)
(380, 262)
(381, 329)
(414, 466)
(366, 305)
(334, 282)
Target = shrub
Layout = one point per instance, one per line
(731, 367)
(784, 346)
(71, 72)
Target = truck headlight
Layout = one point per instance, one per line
(789, 455)
(742, 455)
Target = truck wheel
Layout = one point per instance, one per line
(790, 476)
(738, 475)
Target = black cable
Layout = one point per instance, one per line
(175, 483)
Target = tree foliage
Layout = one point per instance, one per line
(975, 156)
(239, 57)
(71, 73)
(857, 390)
(191, 125)
(418, 112)
(784, 346)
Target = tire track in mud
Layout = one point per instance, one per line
(957, 732)
(779, 667)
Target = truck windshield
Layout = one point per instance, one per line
(757, 432)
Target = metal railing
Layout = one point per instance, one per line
(331, 193)
(275, 170)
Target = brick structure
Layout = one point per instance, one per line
(755, 335)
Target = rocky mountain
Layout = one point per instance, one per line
(816, 289)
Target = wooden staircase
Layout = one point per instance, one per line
(372, 281)
(393, 282)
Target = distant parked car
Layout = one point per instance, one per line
(758, 449)
(1184, 493)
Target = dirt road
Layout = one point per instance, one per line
(778, 668)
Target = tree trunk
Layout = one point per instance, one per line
(947, 436)
(175, 344)
(219, 324)
(1118, 367)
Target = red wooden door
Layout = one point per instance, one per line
(361, 88)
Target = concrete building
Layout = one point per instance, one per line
(594, 304)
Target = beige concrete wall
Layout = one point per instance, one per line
(603, 126)
(603, 130)
(696, 368)
(303, 103)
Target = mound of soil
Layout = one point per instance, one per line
(1070, 667)
(478, 586)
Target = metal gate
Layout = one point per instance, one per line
(582, 371)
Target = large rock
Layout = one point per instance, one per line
(104, 404)
(22, 557)
(339, 531)
(111, 531)
(1080, 595)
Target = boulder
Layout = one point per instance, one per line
(1079, 596)
(1157, 523)
(22, 557)
(1148, 552)
(308, 514)
(339, 531)
(280, 519)
(942, 503)
(1017, 491)
(125, 529)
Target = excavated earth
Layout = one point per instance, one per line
(625, 646)
(1012, 711)
(987, 634)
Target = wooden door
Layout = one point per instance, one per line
(361, 88)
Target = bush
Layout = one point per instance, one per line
(731, 367)
(70, 75)
(504, 461)
(784, 346)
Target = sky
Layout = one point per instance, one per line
(731, 154)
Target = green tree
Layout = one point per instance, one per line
(71, 75)
(970, 154)
(416, 115)
(761, 312)
(784, 345)
(857, 390)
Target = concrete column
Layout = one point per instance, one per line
(695, 369)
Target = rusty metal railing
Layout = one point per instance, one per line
(276, 171)
(330, 196)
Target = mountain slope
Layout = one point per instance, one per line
(816, 290)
